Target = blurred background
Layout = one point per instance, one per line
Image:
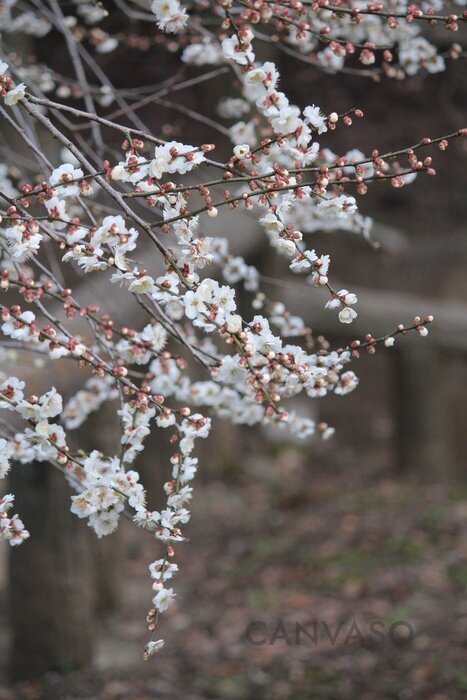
(366, 527)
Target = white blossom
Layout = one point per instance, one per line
(14, 95)
(171, 17)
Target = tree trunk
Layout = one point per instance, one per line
(51, 597)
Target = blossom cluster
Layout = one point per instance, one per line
(155, 224)
(11, 526)
(380, 40)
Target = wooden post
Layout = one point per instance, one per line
(101, 432)
(423, 435)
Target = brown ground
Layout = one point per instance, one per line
(280, 542)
